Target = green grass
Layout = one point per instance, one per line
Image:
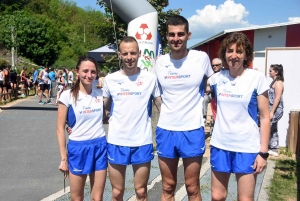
(285, 183)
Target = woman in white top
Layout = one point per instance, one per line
(82, 108)
(237, 144)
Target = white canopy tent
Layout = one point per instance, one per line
(98, 53)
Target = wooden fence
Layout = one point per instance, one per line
(294, 132)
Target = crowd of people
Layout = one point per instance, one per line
(238, 144)
(43, 82)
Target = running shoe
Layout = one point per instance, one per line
(49, 102)
(23, 96)
(41, 103)
(273, 153)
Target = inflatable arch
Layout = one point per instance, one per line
(142, 19)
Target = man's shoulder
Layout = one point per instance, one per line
(197, 53)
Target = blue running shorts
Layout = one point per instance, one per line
(123, 155)
(85, 157)
(184, 144)
(231, 162)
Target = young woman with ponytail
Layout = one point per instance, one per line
(82, 108)
(275, 105)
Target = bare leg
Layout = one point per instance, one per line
(246, 186)
(141, 176)
(219, 185)
(192, 168)
(117, 180)
(97, 182)
(77, 183)
(168, 168)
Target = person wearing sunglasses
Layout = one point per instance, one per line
(216, 65)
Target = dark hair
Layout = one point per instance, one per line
(241, 41)
(75, 88)
(178, 20)
(128, 39)
(24, 67)
(278, 68)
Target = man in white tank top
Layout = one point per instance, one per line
(44, 87)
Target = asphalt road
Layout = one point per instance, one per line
(29, 156)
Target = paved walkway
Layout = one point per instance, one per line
(29, 161)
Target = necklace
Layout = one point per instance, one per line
(232, 80)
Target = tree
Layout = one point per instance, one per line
(35, 39)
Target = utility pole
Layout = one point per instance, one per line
(12, 48)
(84, 33)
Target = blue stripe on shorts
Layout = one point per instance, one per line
(123, 155)
(184, 144)
(85, 157)
(231, 162)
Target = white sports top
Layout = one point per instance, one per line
(182, 90)
(130, 121)
(236, 127)
(84, 117)
(45, 77)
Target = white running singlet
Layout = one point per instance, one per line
(182, 90)
(236, 127)
(130, 120)
(84, 117)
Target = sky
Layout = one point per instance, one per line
(210, 17)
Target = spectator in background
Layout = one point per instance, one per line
(71, 78)
(7, 87)
(44, 87)
(24, 83)
(216, 66)
(14, 83)
(52, 77)
(275, 105)
(65, 75)
(35, 81)
(60, 85)
(2, 83)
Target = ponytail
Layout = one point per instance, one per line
(75, 90)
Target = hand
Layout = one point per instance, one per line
(69, 130)
(63, 167)
(259, 164)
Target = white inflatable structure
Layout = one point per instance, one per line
(142, 22)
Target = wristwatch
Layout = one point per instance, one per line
(264, 155)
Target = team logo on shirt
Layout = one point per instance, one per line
(88, 110)
(167, 66)
(174, 75)
(120, 83)
(127, 92)
(139, 83)
(230, 95)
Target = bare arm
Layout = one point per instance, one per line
(157, 101)
(278, 86)
(60, 133)
(107, 106)
(207, 87)
(264, 115)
